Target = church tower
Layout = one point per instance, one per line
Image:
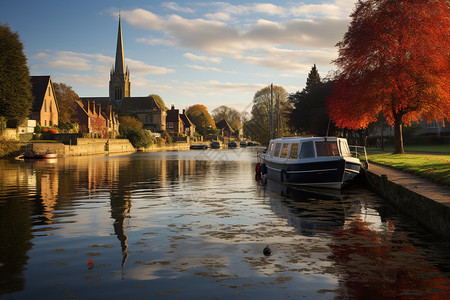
(119, 83)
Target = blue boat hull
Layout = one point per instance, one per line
(329, 174)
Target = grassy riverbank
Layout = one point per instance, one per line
(433, 166)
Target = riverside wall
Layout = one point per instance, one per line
(87, 146)
(434, 215)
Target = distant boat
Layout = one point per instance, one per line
(309, 161)
(243, 144)
(232, 145)
(198, 147)
(214, 145)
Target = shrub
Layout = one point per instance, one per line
(139, 138)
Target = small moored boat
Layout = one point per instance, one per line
(198, 147)
(310, 161)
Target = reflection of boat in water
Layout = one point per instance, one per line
(308, 210)
(46, 155)
(310, 161)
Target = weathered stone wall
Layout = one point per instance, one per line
(431, 214)
(85, 147)
(10, 134)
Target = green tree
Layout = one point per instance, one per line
(65, 98)
(138, 137)
(309, 115)
(127, 122)
(160, 101)
(258, 126)
(199, 115)
(16, 98)
(313, 78)
(231, 115)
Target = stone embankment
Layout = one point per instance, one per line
(419, 198)
(84, 146)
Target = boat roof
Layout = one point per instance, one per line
(305, 138)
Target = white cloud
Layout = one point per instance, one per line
(269, 9)
(174, 6)
(143, 19)
(197, 67)
(142, 68)
(202, 58)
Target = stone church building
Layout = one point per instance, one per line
(145, 109)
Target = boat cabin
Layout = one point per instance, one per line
(307, 147)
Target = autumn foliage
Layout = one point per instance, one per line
(395, 60)
(199, 115)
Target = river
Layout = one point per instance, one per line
(193, 224)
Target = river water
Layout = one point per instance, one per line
(193, 224)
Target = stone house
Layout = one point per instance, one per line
(91, 119)
(179, 123)
(45, 108)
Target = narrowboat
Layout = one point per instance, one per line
(324, 162)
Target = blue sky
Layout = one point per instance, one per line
(188, 52)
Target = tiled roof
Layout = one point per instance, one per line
(39, 88)
(138, 104)
(224, 125)
(186, 120)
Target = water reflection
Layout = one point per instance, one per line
(168, 223)
(371, 258)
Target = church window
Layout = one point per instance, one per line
(45, 105)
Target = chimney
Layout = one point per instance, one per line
(88, 106)
(184, 111)
(173, 107)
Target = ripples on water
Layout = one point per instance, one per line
(194, 224)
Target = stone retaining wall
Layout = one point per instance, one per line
(85, 146)
(431, 214)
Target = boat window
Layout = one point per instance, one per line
(294, 150)
(276, 153)
(307, 150)
(284, 150)
(269, 151)
(344, 148)
(327, 149)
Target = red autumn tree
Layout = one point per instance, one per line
(394, 59)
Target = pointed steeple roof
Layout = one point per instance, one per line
(119, 67)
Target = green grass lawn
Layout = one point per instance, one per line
(435, 167)
(444, 148)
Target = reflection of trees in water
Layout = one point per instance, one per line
(382, 265)
(15, 226)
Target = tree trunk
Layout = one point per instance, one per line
(398, 136)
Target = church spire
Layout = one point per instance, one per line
(119, 83)
(120, 63)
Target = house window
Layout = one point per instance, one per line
(49, 92)
(170, 124)
(45, 105)
(50, 105)
(50, 123)
(45, 123)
